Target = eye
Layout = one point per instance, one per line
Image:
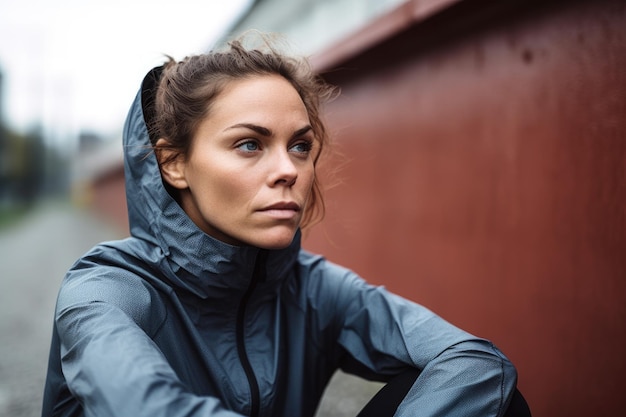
(303, 147)
(248, 146)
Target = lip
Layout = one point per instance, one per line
(283, 205)
(282, 210)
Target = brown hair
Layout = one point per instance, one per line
(188, 88)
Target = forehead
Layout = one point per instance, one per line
(259, 91)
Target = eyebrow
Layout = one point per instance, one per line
(263, 131)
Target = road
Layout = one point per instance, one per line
(34, 255)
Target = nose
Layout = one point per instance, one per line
(283, 169)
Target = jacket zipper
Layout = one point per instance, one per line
(255, 396)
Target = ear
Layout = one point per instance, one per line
(172, 166)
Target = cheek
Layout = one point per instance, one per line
(218, 184)
(230, 190)
(235, 191)
(307, 178)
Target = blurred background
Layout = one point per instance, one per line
(479, 166)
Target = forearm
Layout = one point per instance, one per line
(114, 369)
(471, 378)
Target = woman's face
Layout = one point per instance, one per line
(249, 171)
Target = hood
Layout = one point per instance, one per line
(197, 260)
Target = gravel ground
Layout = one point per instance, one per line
(34, 255)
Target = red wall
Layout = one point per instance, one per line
(483, 174)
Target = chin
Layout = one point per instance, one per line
(274, 241)
(275, 245)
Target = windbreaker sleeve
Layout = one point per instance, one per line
(110, 363)
(460, 374)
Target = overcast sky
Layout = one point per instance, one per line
(72, 65)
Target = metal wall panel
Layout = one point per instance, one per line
(482, 172)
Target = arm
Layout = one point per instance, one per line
(460, 374)
(111, 365)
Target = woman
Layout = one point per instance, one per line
(211, 308)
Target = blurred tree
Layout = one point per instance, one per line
(28, 168)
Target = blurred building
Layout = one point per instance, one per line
(481, 172)
(98, 178)
(311, 25)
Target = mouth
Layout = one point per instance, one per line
(283, 205)
(282, 210)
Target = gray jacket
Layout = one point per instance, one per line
(171, 322)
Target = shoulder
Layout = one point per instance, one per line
(328, 285)
(335, 288)
(320, 271)
(108, 274)
(318, 265)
